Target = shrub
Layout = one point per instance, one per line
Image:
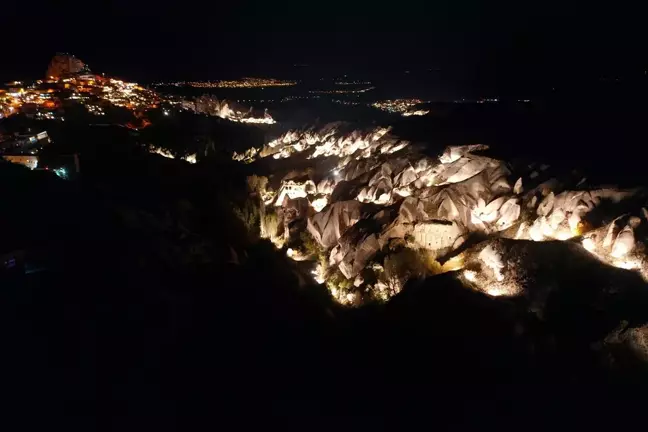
(248, 213)
(404, 265)
(257, 184)
(309, 247)
(269, 224)
(338, 284)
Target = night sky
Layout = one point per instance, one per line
(488, 45)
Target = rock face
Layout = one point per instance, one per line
(328, 226)
(538, 270)
(64, 65)
(437, 235)
(359, 244)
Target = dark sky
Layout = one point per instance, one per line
(487, 44)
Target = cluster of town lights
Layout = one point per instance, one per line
(242, 83)
(401, 106)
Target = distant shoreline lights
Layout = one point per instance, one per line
(246, 82)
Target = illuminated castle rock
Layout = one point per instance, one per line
(66, 65)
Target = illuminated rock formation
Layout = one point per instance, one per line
(221, 108)
(328, 226)
(372, 194)
(167, 154)
(63, 66)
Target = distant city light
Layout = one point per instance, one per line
(401, 106)
(246, 82)
(352, 82)
(349, 91)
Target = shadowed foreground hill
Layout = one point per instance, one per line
(153, 310)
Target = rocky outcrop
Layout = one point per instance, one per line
(64, 65)
(361, 242)
(560, 216)
(329, 225)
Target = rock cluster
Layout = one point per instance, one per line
(382, 189)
